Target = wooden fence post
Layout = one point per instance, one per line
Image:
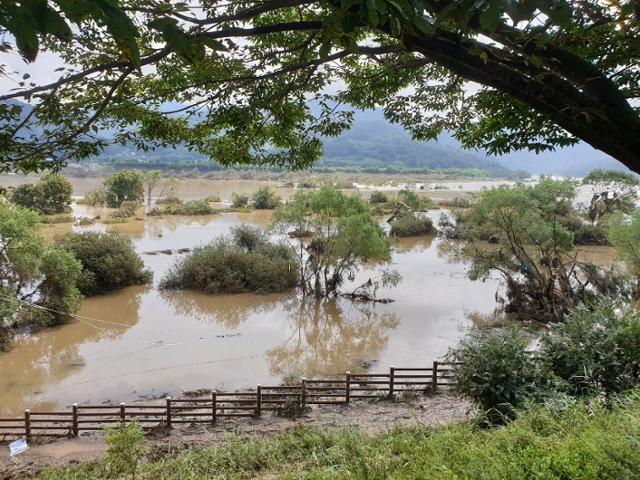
(347, 388)
(123, 413)
(214, 408)
(258, 400)
(392, 375)
(434, 378)
(75, 419)
(303, 393)
(27, 424)
(168, 412)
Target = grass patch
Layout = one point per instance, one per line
(579, 442)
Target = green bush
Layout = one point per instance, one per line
(246, 261)
(265, 199)
(493, 368)
(109, 261)
(239, 200)
(595, 350)
(169, 201)
(50, 196)
(378, 197)
(94, 198)
(411, 224)
(125, 450)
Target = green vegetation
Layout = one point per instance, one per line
(127, 209)
(34, 272)
(612, 191)
(178, 207)
(579, 442)
(595, 351)
(246, 261)
(265, 199)
(413, 59)
(126, 450)
(239, 200)
(544, 280)
(50, 195)
(109, 261)
(414, 201)
(378, 197)
(344, 233)
(624, 235)
(94, 198)
(410, 224)
(124, 186)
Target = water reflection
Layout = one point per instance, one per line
(327, 338)
(228, 311)
(50, 356)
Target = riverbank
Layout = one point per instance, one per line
(578, 441)
(370, 417)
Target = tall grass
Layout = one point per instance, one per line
(576, 441)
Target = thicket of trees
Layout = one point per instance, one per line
(50, 195)
(38, 280)
(265, 199)
(544, 278)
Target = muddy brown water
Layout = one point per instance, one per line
(139, 342)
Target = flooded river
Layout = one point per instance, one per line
(140, 342)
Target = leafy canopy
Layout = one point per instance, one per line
(262, 82)
(49, 196)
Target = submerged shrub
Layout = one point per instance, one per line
(245, 261)
(265, 199)
(127, 209)
(410, 224)
(109, 261)
(239, 200)
(192, 207)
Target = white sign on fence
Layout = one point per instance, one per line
(18, 446)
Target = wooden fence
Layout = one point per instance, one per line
(283, 399)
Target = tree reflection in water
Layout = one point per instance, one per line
(227, 310)
(330, 336)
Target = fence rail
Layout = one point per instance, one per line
(340, 390)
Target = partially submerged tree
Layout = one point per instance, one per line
(611, 191)
(240, 75)
(109, 261)
(543, 277)
(124, 186)
(624, 234)
(344, 234)
(50, 195)
(37, 280)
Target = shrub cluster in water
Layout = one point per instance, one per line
(245, 261)
(192, 207)
(109, 261)
(410, 224)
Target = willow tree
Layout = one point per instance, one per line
(261, 82)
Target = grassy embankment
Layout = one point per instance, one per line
(578, 442)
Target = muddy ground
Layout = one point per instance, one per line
(372, 417)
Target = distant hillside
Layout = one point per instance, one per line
(374, 144)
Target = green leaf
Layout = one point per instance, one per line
(491, 17)
(396, 28)
(423, 25)
(325, 48)
(372, 13)
(214, 44)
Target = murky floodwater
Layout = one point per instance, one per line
(140, 342)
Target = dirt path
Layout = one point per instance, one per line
(372, 417)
